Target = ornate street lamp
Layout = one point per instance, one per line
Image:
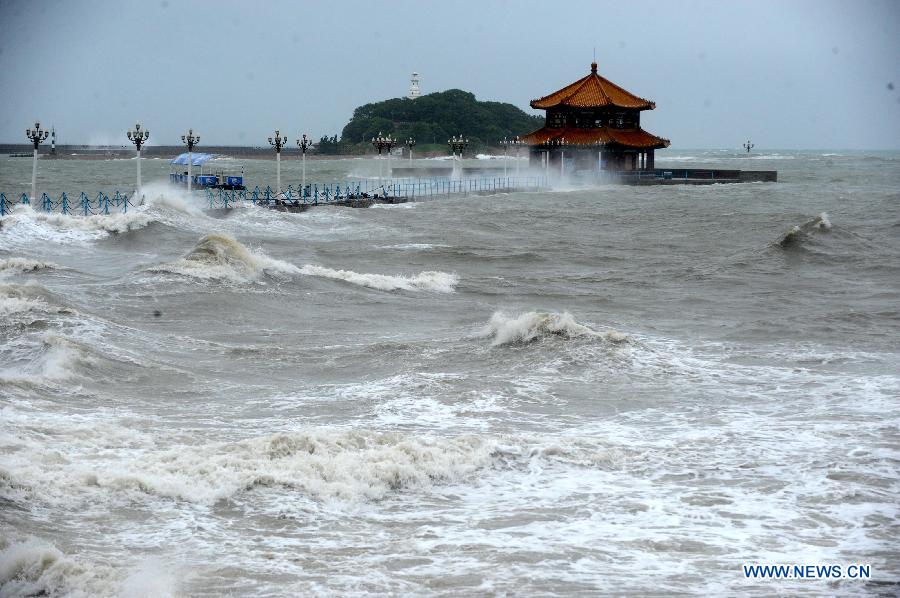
(138, 138)
(410, 143)
(278, 143)
(384, 143)
(457, 145)
(36, 136)
(190, 139)
(304, 144)
(748, 146)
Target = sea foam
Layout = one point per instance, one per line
(27, 225)
(57, 360)
(439, 282)
(345, 465)
(32, 567)
(530, 326)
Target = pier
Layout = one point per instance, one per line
(351, 194)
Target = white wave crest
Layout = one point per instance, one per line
(29, 297)
(532, 325)
(21, 264)
(56, 361)
(345, 465)
(439, 282)
(26, 225)
(798, 234)
(32, 567)
(221, 257)
(178, 201)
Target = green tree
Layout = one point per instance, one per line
(435, 117)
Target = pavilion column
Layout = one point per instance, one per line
(650, 165)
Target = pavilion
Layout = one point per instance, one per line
(594, 125)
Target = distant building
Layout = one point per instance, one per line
(414, 87)
(594, 124)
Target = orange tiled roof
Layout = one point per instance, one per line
(592, 91)
(636, 138)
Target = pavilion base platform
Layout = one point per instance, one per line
(691, 176)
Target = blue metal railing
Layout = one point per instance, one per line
(86, 206)
(335, 193)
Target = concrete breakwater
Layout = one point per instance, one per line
(694, 176)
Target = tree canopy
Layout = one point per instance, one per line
(435, 117)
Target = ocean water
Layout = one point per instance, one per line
(611, 390)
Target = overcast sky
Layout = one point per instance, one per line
(786, 74)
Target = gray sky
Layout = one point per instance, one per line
(788, 74)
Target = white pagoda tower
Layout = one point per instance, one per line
(414, 87)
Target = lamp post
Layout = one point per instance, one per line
(138, 138)
(457, 144)
(410, 143)
(748, 146)
(517, 142)
(384, 143)
(278, 143)
(190, 139)
(505, 143)
(36, 136)
(304, 144)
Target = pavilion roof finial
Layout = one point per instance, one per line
(594, 67)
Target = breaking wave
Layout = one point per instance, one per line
(23, 298)
(439, 282)
(221, 257)
(798, 234)
(530, 326)
(21, 264)
(34, 568)
(178, 201)
(26, 224)
(323, 464)
(57, 359)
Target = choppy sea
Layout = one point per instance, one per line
(608, 390)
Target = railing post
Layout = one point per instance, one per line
(25, 199)
(85, 203)
(3, 208)
(64, 202)
(47, 202)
